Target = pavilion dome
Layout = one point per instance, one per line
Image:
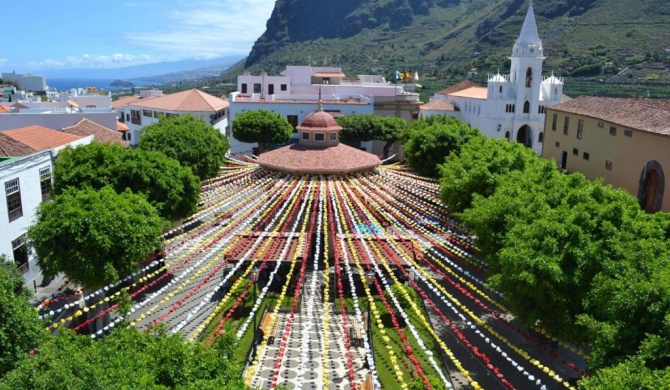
(319, 120)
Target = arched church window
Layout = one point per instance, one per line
(500, 89)
(529, 77)
(513, 107)
(541, 137)
(526, 107)
(507, 135)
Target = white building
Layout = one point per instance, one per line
(511, 106)
(58, 114)
(142, 110)
(26, 81)
(26, 166)
(294, 95)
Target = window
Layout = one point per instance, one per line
(271, 89)
(557, 144)
(244, 88)
(305, 136)
(628, 133)
(320, 137)
(529, 77)
(157, 114)
(541, 137)
(20, 253)
(601, 124)
(325, 81)
(13, 191)
(586, 156)
(127, 118)
(45, 183)
(580, 128)
(566, 125)
(500, 89)
(283, 87)
(613, 131)
(608, 165)
(554, 120)
(147, 113)
(135, 117)
(575, 151)
(526, 107)
(257, 88)
(333, 136)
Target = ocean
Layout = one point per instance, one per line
(67, 84)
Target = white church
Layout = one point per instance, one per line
(511, 106)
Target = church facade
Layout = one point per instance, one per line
(511, 106)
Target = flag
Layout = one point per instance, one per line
(408, 76)
(416, 75)
(402, 75)
(397, 74)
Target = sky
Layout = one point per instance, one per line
(73, 34)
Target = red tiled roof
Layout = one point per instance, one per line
(472, 92)
(40, 138)
(127, 100)
(9, 147)
(191, 100)
(100, 133)
(438, 105)
(465, 84)
(647, 115)
(301, 159)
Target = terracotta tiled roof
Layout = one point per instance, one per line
(472, 92)
(465, 84)
(647, 115)
(438, 105)
(127, 100)
(319, 120)
(191, 100)
(100, 133)
(9, 147)
(300, 159)
(40, 138)
(5, 108)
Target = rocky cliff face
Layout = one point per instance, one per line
(420, 34)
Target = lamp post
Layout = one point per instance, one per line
(370, 280)
(253, 276)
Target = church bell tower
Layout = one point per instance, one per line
(526, 68)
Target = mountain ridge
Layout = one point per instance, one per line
(441, 36)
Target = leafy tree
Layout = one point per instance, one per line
(172, 189)
(128, 359)
(480, 166)
(263, 127)
(20, 328)
(431, 140)
(190, 141)
(369, 127)
(632, 374)
(94, 237)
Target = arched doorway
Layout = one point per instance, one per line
(652, 187)
(507, 135)
(525, 136)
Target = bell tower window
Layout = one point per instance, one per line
(529, 77)
(526, 107)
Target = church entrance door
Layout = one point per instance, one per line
(525, 136)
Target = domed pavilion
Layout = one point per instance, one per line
(318, 150)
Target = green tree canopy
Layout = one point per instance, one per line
(431, 140)
(20, 327)
(479, 167)
(632, 374)
(263, 127)
(172, 189)
(94, 237)
(190, 141)
(128, 359)
(369, 127)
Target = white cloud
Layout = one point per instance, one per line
(206, 29)
(86, 61)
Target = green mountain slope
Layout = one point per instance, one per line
(443, 37)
